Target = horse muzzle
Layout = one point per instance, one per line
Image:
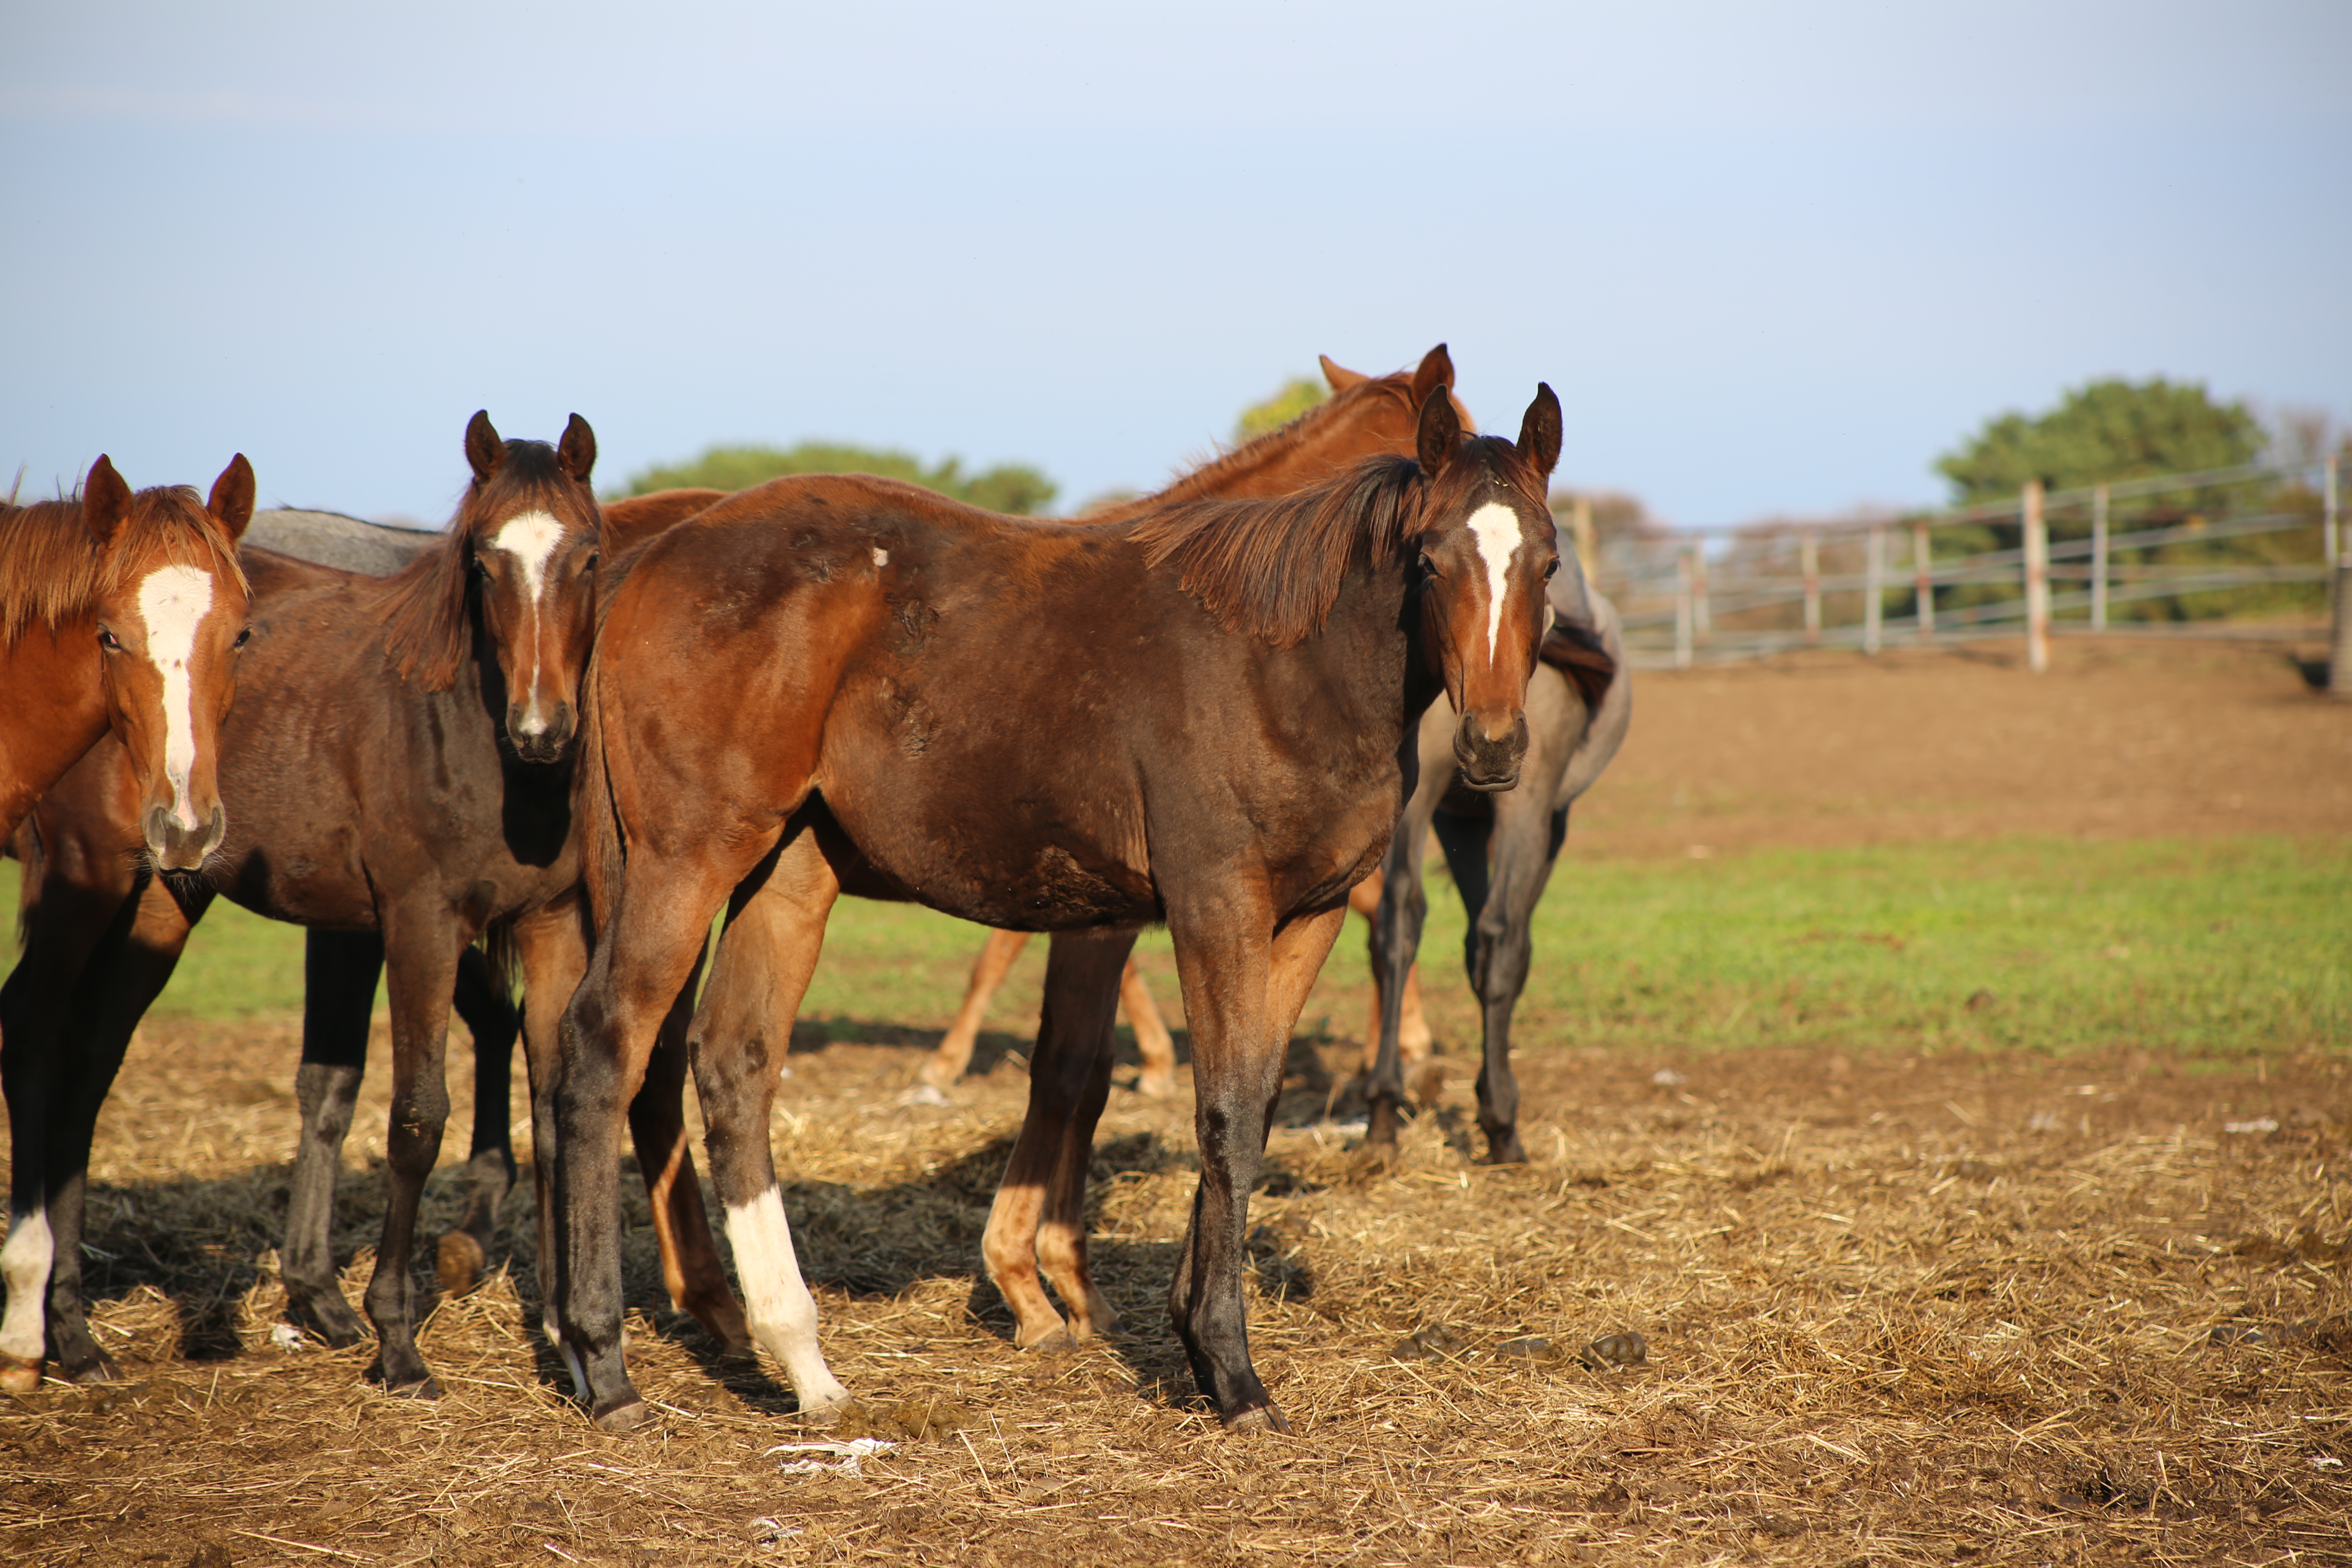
(1488, 761)
(547, 744)
(176, 847)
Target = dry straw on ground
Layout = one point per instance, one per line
(1896, 1311)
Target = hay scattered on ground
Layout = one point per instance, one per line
(1896, 1311)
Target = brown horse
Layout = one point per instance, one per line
(1204, 716)
(397, 764)
(1366, 416)
(123, 612)
(119, 613)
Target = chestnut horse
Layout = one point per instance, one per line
(1203, 715)
(126, 613)
(1366, 416)
(398, 765)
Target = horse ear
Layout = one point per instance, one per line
(577, 449)
(1340, 375)
(105, 499)
(1436, 370)
(1539, 431)
(232, 499)
(1439, 435)
(484, 450)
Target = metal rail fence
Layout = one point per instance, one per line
(1715, 595)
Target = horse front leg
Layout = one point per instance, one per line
(481, 998)
(1242, 995)
(691, 1270)
(1045, 1179)
(421, 941)
(1153, 1043)
(1395, 947)
(642, 957)
(766, 956)
(112, 996)
(340, 971)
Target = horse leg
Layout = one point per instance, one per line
(691, 1269)
(954, 1056)
(68, 923)
(653, 937)
(1241, 994)
(1069, 1079)
(1396, 943)
(1525, 840)
(766, 956)
(481, 1000)
(112, 995)
(421, 945)
(1413, 1038)
(1153, 1040)
(340, 970)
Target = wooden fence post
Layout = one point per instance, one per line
(1873, 588)
(2330, 540)
(2099, 559)
(1683, 610)
(1809, 554)
(2037, 579)
(1923, 581)
(2340, 652)
(1702, 612)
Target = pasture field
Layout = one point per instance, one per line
(1982, 1197)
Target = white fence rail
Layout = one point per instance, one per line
(1709, 595)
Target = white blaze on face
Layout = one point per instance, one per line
(172, 604)
(530, 537)
(1494, 529)
(777, 1300)
(25, 1265)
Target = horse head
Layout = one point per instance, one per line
(532, 533)
(171, 621)
(1488, 550)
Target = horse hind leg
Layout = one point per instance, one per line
(340, 970)
(422, 948)
(480, 998)
(691, 1270)
(1153, 1043)
(1526, 846)
(1038, 1219)
(953, 1058)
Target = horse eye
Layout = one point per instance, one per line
(243, 637)
(1428, 566)
(592, 559)
(109, 641)
(1551, 569)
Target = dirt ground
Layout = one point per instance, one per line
(1897, 1309)
(2117, 740)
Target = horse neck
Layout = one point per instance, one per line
(55, 710)
(1308, 449)
(1371, 645)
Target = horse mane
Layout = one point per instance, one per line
(1274, 568)
(427, 629)
(1276, 445)
(52, 569)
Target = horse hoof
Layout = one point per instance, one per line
(1258, 1418)
(420, 1387)
(458, 1263)
(1061, 1342)
(1156, 1086)
(1505, 1151)
(627, 1416)
(99, 1369)
(19, 1375)
(845, 1410)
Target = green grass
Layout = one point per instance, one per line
(2207, 946)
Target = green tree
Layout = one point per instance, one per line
(1297, 396)
(1007, 487)
(2103, 431)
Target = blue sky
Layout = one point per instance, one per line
(1774, 259)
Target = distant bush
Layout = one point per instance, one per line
(1297, 396)
(1007, 487)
